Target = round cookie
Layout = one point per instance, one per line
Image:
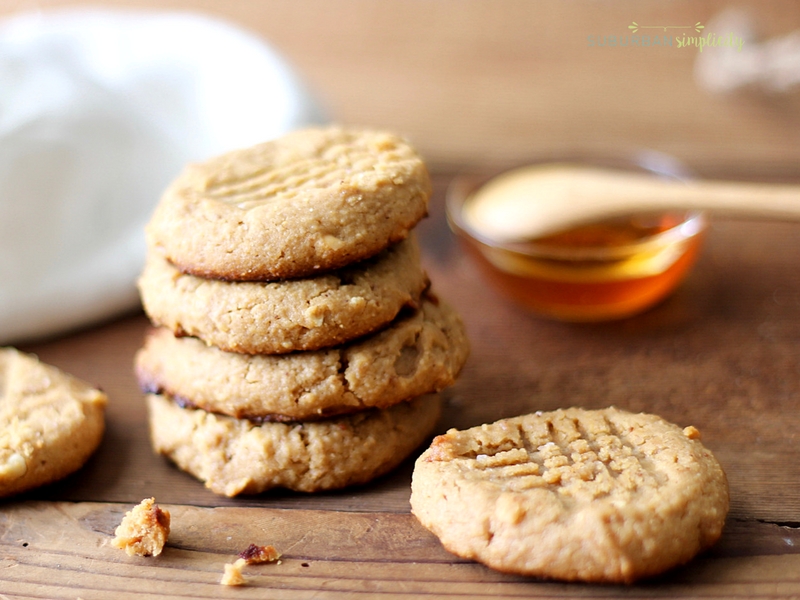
(284, 316)
(311, 201)
(417, 354)
(236, 456)
(601, 496)
(50, 422)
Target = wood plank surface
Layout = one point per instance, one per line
(478, 84)
(61, 550)
(721, 354)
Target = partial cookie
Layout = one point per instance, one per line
(603, 495)
(236, 456)
(284, 316)
(418, 354)
(50, 422)
(311, 201)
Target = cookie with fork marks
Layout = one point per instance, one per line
(578, 495)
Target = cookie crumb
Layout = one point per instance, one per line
(256, 555)
(233, 573)
(691, 432)
(252, 555)
(144, 530)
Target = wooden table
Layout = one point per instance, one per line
(721, 354)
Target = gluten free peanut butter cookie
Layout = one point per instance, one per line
(285, 316)
(237, 456)
(417, 354)
(50, 422)
(311, 201)
(602, 496)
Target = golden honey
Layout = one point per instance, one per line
(553, 277)
(601, 271)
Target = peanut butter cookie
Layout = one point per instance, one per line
(285, 316)
(50, 422)
(311, 201)
(591, 495)
(237, 456)
(417, 354)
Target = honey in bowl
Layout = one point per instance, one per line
(599, 271)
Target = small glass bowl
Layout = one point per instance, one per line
(599, 272)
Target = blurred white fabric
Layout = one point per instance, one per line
(771, 66)
(99, 111)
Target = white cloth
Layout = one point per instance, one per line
(99, 111)
(771, 66)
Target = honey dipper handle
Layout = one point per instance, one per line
(743, 199)
(530, 203)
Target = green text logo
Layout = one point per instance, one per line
(659, 37)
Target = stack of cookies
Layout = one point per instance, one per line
(297, 342)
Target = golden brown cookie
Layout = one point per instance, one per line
(236, 456)
(311, 201)
(417, 354)
(50, 422)
(591, 495)
(284, 316)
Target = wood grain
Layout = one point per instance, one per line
(60, 550)
(476, 84)
(720, 354)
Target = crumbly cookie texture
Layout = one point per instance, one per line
(258, 555)
(50, 422)
(236, 456)
(252, 555)
(144, 530)
(311, 201)
(285, 316)
(232, 575)
(418, 354)
(591, 495)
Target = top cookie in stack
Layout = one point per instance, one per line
(312, 201)
(297, 340)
